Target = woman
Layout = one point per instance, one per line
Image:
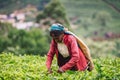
(69, 55)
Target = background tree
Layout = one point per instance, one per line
(22, 42)
(53, 12)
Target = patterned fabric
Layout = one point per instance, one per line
(56, 27)
(62, 48)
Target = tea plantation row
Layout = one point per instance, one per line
(32, 67)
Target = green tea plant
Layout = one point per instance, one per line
(32, 67)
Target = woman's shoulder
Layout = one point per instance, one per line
(68, 37)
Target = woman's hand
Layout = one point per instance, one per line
(60, 70)
(49, 71)
(91, 67)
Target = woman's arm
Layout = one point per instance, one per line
(50, 55)
(74, 54)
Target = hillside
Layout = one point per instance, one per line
(93, 16)
(9, 6)
(88, 18)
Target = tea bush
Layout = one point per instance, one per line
(32, 67)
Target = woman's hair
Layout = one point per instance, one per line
(56, 33)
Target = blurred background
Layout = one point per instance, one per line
(24, 25)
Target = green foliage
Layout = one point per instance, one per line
(33, 67)
(105, 48)
(55, 11)
(102, 18)
(116, 51)
(4, 31)
(33, 41)
(40, 17)
(5, 28)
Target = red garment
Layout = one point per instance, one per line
(76, 61)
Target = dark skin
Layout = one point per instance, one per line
(59, 38)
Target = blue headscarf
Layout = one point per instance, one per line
(56, 27)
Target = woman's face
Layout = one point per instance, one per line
(58, 38)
